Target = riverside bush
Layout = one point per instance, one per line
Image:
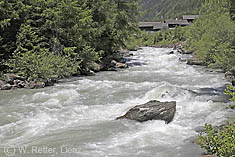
(219, 142)
(231, 92)
(44, 65)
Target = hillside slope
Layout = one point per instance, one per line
(155, 9)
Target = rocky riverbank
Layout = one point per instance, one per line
(193, 60)
(12, 81)
(113, 62)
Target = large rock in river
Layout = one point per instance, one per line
(153, 110)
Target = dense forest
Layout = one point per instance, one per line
(42, 39)
(157, 9)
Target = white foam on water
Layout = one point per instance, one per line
(64, 95)
(90, 105)
(152, 133)
(166, 91)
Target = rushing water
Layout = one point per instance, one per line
(77, 116)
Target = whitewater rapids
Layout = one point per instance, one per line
(78, 114)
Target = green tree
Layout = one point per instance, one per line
(212, 36)
(114, 21)
(12, 15)
(79, 32)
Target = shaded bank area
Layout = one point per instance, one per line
(113, 62)
(80, 112)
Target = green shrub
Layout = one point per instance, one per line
(231, 92)
(89, 55)
(220, 143)
(43, 65)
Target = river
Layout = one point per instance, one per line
(76, 117)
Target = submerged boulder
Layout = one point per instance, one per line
(153, 110)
